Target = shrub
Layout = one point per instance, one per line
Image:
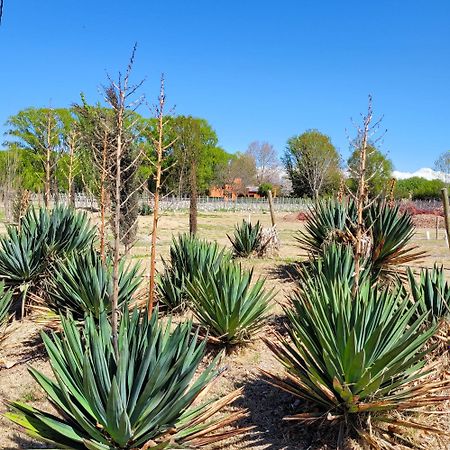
(431, 293)
(387, 238)
(145, 210)
(189, 257)
(246, 239)
(228, 304)
(84, 284)
(142, 399)
(356, 359)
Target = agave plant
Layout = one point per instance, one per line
(26, 253)
(356, 359)
(228, 304)
(246, 239)
(431, 293)
(145, 398)
(83, 284)
(189, 257)
(388, 233)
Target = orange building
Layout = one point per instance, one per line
(234, 190)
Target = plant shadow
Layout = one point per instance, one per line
(267, 406)
(285, 272)
(24, 442)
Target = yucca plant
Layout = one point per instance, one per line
(27, 252)
(149, 398)
(189, 257)
(387, 239)
(355, 359)
(246, 239)
(335, 264)
(83, 284)
(228, 304)
(5, 304)
(64, 229)
(431, 293)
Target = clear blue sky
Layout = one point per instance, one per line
(255, 70)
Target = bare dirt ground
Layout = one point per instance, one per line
(265, 404)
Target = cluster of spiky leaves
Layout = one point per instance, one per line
(431, 293)
(83, 284)
(28, 251)
(388, 233)
(246, 239)
(335, 263)
(229, 304)
(148, 398)
(5, 304)
(356, 357)
(189, 257)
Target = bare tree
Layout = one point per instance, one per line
(442, 164)
(97, 140)
(266, 161)
(362, 143)
(119, 96)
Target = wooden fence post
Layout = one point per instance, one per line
(272, 212)
(446, 213)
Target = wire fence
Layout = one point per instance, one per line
(89, 202)
(205, 204)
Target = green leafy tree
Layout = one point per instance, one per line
(378, 170)
(43, 133)
(312, 163)
(418, 188)
(242, 171)
(264, 189)
(193, 152)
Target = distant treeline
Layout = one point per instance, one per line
(417, 188)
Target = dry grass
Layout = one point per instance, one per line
(266, 405)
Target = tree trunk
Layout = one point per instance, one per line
(103, 199)
(70, 177)
(360, 201)
(116, 259)
(159, 150)
(193, 200)
(48, 166)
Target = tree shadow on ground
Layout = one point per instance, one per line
(267, 406)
